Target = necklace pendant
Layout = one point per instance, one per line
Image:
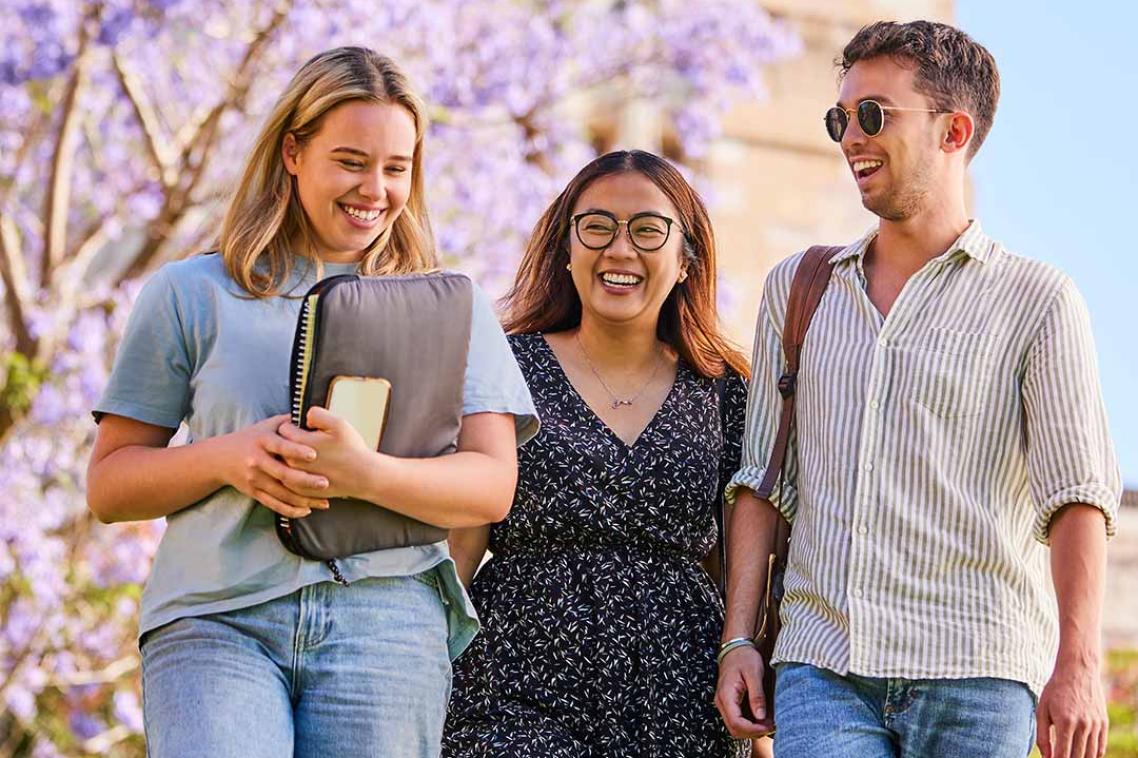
(617, 403)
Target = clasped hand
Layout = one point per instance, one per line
(292, 471)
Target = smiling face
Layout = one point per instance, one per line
(620, 284)
(902, 168)
(353, 176)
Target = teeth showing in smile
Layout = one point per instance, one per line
(860, 166)
(361, 215)
(621, 280)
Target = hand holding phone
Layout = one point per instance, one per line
(363, 403)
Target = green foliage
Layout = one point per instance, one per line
(24, 378)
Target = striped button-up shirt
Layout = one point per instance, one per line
(932, 449)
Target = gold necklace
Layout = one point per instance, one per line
(617, 402)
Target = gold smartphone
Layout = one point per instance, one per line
(362, 402)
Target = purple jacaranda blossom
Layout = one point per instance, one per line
(21, 624)
(127, 710)
(48, 408)
(115, 23)
(84, 725)
(45, 748)
(20, 702)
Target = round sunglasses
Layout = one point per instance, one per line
(870, 118)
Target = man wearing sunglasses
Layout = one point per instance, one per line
(949, 429)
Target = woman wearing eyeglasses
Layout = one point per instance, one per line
(600, 622)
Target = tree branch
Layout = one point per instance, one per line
(156, 146)
(58, 196)
(196, 153)
(73, 272)
(239, 83)
(33, 133)
(15, 285)
(21, 657)
(185, 134)
(112, 672)
(529, 127)
(101, 743)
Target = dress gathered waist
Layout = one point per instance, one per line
(640, 550)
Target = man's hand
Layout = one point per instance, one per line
(1073, 704)
(741, 683)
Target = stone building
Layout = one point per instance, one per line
(780, 183)
(776, 183)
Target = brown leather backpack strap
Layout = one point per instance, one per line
(806, 292)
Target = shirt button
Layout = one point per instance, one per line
(875, 405)
(863, 529)
(869, 467)
(883, 342)
(857, 592)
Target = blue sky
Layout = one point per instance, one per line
(1057, 178)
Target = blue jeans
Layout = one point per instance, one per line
(820, 713)
(326, 670)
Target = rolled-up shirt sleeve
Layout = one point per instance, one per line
(1070, 455)
(764, 403)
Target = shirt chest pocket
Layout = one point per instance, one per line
(951, 372)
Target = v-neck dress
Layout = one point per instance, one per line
(600, 626)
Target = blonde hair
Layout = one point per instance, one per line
(265, 216)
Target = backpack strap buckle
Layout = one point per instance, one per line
(787, 383)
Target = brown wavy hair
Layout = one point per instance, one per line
(953, 70)
(265, 218)
(543, 298)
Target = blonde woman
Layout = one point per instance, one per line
(247, 649)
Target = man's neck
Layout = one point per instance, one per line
(907, 245)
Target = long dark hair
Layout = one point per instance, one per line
(543, 298)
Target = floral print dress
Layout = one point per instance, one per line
(600, 626)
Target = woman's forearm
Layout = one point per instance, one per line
(471, 487)
(134, 476)
(140, 482)
(465, 489)
(468, 548)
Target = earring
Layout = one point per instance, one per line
(569, 267)
(683, 277)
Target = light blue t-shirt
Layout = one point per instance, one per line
(199, 349)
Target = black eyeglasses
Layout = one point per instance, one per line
(870, 117)
(648, 232)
